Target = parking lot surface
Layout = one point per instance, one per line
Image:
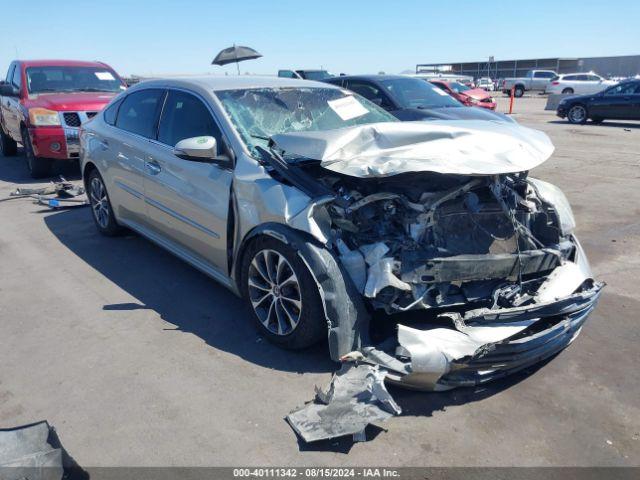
(139, 360)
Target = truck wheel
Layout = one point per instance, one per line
(284, 297)
(568, 91)
(38, 167)
(8, 146)
(519, 91)
(577, 114)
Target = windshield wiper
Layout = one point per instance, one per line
(259, 137)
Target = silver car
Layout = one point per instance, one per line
(323, 211)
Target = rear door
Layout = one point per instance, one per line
(188, 200)
(582, 86)
(126, 146)
(5, 102)
(12, 118)
(540, 80)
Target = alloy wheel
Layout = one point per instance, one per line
(274, 291)
(577, 114)
(99, 202)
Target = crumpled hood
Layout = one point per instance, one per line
(448, 147)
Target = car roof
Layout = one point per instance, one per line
(370, 77)
(62, 63)
(232, 82)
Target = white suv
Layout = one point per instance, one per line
(577, 83)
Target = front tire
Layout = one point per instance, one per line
(577, 115)
(38, 167)
(8, 146)
(284, 297)
(101, 208)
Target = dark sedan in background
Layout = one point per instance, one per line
(619, 102)
(409, 98)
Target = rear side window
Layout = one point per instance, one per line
(138, 112)
(570, 78)
(111, 112)
(545, 74)
(185, 116)
(17, 78)
(10, 73)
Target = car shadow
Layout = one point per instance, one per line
(14, 170)
(606, 123)
(193, 303)
(180, 294)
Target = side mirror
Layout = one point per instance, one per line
(197, 148)
(8, 90)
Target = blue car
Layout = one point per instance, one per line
(619, 102)
(410, 99)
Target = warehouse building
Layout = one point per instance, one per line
(617, 66)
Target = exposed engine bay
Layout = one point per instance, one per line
(428, 240)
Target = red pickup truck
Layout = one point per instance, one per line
(44, 102)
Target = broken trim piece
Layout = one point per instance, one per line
(355, 398)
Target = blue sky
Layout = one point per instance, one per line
(162, 37)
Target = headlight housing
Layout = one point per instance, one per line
(552, 195)
(42, 117)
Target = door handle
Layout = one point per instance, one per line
(153, 167)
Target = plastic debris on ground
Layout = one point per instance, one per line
(58, 194)
(355, 398)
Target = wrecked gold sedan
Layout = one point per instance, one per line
(320, 208)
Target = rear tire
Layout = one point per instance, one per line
(567, 91)
(8, 146)
(577, 114)
(518, 91)
(38, 167)
(283, 295)
(101, 209)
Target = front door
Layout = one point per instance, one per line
(614, 103)
(188, 200)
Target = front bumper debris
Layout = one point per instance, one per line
(355, 398)
(478, 346)
(487, 345)
(58, 194)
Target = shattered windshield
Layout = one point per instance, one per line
(259, 113)
(417, 93)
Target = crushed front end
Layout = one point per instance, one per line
(492, 261)
(441, 227)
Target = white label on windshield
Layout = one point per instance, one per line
(348, 107)
(104, 76)
(441, 92)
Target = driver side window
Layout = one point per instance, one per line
(624, 89)
(371, 93)
(185, 116)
